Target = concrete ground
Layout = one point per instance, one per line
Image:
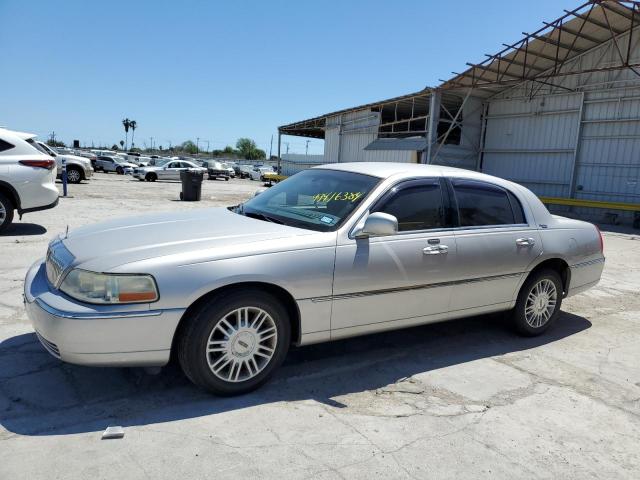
(464, 399)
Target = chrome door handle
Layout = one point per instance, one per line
(525, 242)
(435, 250)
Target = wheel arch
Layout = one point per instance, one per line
(275, 290)
(11, 192)
(558, 264)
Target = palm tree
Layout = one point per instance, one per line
(133, 124)
(121, 143)
(126, 123)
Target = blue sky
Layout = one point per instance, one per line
(222, 70)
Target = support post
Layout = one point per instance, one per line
(576, 151)
(279, 160)
(64, 177)
(434, 118)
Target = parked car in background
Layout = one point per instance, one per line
(258, 173)
(27, 177)
(332, 252)
(78, 168)
(244, 171)
(216, 170)
(229, 168)
(113, 164)
(169, 171)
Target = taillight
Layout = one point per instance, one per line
(48, 164)
(601, 239)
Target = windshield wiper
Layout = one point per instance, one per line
(262, 216)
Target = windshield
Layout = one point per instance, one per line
(316, 199)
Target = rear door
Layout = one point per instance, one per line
(495, 243)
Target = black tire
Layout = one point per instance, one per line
(194, 337)
(74, 175)
(226, 179)
(8, 207)
(119, 171)
(522, 326)
(151, 177)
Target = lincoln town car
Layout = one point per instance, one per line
(332, 252)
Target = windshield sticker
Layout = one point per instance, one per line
(337, 196)
(327, 220)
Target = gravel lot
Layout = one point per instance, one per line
(464, 399)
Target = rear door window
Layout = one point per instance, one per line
(483, 204)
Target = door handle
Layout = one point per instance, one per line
(435, 250)
(525, 242)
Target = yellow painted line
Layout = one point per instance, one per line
(574, 202)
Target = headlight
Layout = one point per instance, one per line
(105, 288)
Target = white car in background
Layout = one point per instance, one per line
(27, 177)
(113, 163)
(78, 168)
(258, 172)
(169, 171)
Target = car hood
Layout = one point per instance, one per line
(212, 231)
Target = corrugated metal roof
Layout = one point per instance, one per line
(415, 144)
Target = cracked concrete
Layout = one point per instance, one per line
(464, 399)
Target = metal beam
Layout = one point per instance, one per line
(595, 22)
(552, 42)
(570, 31)
(535, 54)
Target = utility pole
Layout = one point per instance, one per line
(52, 136)
(151, 143)
(207, 146)
(306, 149)
(271, 146)
(287, 144)
(197, 145)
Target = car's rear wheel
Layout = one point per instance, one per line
(539, 303)
(74, 175)
(119, 170)
(233, 343)
(151, 177)
(6, 212)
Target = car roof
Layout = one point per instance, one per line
(22, 135)
(389, 169)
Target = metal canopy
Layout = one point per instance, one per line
(539, 56)
(314, 127)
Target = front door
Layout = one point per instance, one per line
(495, 243)
(405, 276)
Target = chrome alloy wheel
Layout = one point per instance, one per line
(3, 213)
(541, 303)
(73, 175)
(241, 344)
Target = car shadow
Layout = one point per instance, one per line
(22, 229)
(40, 395)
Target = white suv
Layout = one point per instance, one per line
(27, 177)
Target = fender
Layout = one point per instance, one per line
(16, 198)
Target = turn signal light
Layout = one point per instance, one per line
(47, 164)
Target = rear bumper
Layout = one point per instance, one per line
(585, 275)
(94, 335)
(36, 209)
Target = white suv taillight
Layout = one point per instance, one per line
(47, 164)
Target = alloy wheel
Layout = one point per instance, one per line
(73, 175)
(3, 213)
(541, 303)
(241, 344)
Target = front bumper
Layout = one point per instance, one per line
(98, 335)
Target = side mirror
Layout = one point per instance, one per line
(258, 192)
(378, 224)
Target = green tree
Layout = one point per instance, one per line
(121, 143)
(133, 124)
(189, 147)
(55, 143)
(126, 123)
(248, 149)
(114, 147)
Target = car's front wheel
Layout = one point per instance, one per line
(538, 303)
(151, 177)
(6, 212)
(233, 343)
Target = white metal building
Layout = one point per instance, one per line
(558, 111)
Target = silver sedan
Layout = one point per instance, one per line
(332, 252)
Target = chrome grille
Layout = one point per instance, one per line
(51, 347)
(59, 259)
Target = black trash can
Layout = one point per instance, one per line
(191, 185)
